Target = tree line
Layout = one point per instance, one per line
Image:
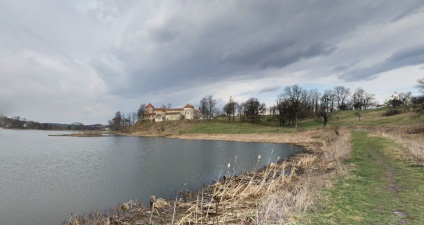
(293, 104)
(296, 103)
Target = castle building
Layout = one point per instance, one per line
(163, 114)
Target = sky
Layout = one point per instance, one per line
(83, 60)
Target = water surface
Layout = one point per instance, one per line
(44, 179)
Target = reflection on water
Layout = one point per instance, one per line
(45, 179)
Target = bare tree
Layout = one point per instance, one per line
(253, 109)
(141, 110)
(282, 110)
(419, 101)
(314, 97)
(230, 109)
(341, 95)
(420, 85)
(358, 99)
(116, 123)
(369, 100)
(240, 110)
(134, 117)
(207, 107)
(294, 94)
(405, 99)
(324, 114)
(362, 100)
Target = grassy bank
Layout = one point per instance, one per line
(381, 189)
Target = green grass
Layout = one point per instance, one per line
(373, 117)
(380, 185)
(225, 127)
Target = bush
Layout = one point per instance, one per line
(392, 112)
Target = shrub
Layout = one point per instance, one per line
(392, 112)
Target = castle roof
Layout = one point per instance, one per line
(189, 106)
(149, 105)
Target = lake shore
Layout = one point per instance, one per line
(290, 186)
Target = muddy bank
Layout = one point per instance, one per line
(272, 194)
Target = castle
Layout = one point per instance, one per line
(164, 114)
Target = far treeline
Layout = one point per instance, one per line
(17, 122)
(293, 104)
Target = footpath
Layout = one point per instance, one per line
(381, 188)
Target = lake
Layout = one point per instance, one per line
(44, 179)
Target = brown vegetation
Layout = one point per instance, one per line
(274, 194)
(410, 140)
(165, 128)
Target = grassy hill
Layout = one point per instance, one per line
(268, 124)
(372, 117)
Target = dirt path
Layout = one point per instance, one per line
(381, 189)
(390, 172)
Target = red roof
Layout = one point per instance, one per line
(150, 106)
(189, 106)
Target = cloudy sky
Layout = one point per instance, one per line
(83, 60)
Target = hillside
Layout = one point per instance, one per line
(369, 118)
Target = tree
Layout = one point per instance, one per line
(324, 114)
(240, 110)
(293, 94)
(314, 97)
(394, 103)
(140, 111)
(369, 100)
(134, 117)
(358, 114)
(116, 123)
(207, 107)
(362, 100)
(358, 99)
(253, 109)
(341, 94)
(77, 126)
(419, 101)
(282, 110)
(230, 109)
(420, 85)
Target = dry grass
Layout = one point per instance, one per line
(409, 139)
(276, 194)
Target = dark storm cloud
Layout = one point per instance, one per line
(276, 55)
(406, 57)
(91, 57)
(269, 89)
(197, 43)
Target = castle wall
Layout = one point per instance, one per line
(159, 115)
